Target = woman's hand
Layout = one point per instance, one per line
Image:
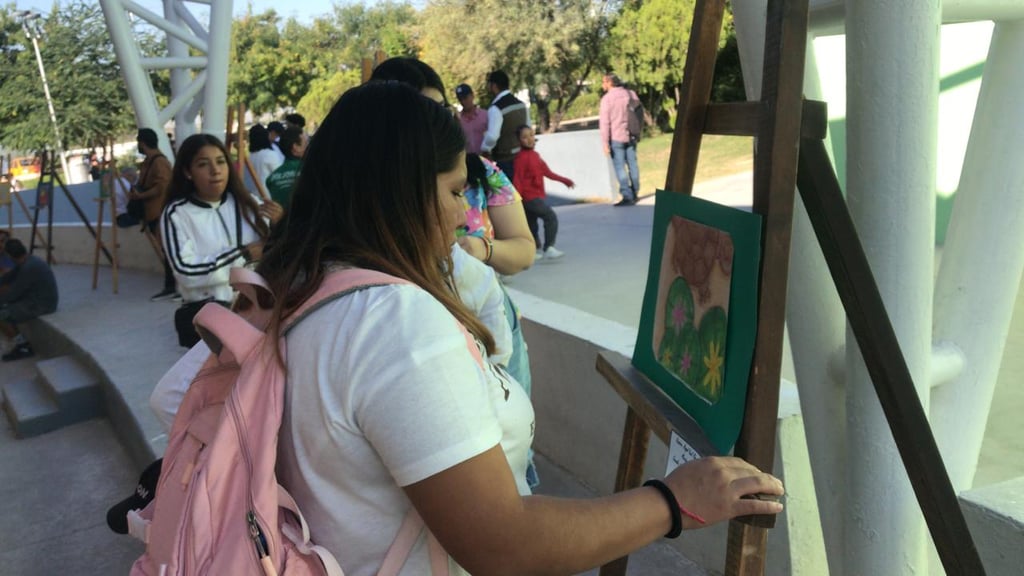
(722, 488)
(272, 211)
(255, 250)
(475, 246)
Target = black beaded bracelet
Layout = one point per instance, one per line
(673, 507)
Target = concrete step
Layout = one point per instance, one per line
(75, 388)
(64, 392)
(30, 409)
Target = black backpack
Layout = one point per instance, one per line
(634, 118)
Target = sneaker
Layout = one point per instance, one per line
(625, 202)
(165, 294)
(553, 253)
(176, 298)
(539, 255)
(20, 351)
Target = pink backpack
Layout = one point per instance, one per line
(219, 508)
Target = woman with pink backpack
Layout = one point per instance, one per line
(388, 409)
(404, 449)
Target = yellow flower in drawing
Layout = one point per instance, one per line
(713, 362)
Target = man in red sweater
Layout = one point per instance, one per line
(528, 178)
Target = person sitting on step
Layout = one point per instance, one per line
(26, 292)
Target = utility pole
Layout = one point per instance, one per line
(25, 16)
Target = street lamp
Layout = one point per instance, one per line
(25, 16)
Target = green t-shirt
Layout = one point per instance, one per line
(281, 181)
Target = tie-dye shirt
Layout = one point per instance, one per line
(503, 193)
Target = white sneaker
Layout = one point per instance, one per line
(539, 255)
(553, 253)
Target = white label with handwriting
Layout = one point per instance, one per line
(679, 452)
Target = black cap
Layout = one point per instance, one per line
(463, 90)
(145, 491)
(275, 126)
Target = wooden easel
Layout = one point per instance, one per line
(243, 152)
(787, 129)
(110, 179)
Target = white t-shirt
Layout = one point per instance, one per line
(479, 290)
(383, 392)
(264, 162)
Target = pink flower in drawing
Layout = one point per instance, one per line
(678, 315)
(684, 364)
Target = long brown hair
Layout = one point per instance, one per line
(183, 187)
(367, 196)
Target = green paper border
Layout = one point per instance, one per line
(721, 421)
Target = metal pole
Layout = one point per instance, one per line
(25, 17)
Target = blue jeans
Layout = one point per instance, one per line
(624, 153)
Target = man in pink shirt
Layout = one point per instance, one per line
(616, 139)
(473, 119)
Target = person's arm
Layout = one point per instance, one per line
(556, 177)
(20, 286)
(475, 512)
(158, 178)
(494, 121)
(604, 125)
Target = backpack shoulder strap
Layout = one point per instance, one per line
(337, 284)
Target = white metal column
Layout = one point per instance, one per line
(983, 257)
(892, 52)
(205, 89)
(184, 122)
(215, 96)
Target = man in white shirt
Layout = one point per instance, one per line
(506, 114)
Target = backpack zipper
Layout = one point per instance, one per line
(261, 540)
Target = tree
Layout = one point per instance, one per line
(547, 47)
(89, 96)
(648, 50)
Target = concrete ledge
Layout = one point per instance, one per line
(72, 244)
(995, 516)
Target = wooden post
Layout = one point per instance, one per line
(367, 70)
(99, 241)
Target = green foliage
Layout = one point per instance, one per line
(324, 92)
(727, 85)
(279, 64)
(548, 47)
(89, 96)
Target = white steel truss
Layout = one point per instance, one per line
(199, 84)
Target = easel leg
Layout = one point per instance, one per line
(747, 546)
(99, 243)
(28, 216)
(636, 436)
(113, 238)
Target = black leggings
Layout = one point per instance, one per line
(538, 209)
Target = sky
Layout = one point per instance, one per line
(303, 10)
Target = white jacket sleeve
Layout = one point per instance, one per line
(479, 290)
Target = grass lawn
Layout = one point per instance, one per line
(719, 156)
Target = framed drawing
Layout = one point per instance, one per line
(699, 315)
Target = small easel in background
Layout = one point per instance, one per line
(110, 179)
(236, 135)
